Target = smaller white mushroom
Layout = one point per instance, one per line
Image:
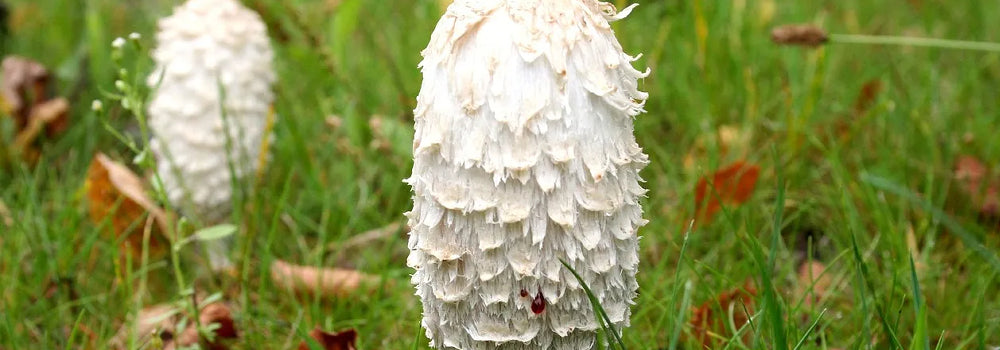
(208, 114)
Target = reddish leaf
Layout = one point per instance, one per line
(161, 321)
(843, 127)
(732, 186)
(215, 313)
(975, 181)
(866, 98)
(25, 88)
(25, 84)
(343, 340)
(118, 195)
(710, 321)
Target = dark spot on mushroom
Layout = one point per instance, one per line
(538, 305)
(524, 293)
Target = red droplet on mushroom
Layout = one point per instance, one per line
(524, 293)
(538, 305)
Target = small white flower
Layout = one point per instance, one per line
(118, 43)
(135, 36)
(97, 105)
(121, 85)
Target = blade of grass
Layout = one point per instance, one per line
(921, 339)
(866, 280)
(675, 334)
(802, 340)
(602, 316)
(772, 305)
(967, 237)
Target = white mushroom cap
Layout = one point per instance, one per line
(211, 56)
(524, 154)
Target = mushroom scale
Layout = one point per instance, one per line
(524, 155)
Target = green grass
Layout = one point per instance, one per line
(856, 200)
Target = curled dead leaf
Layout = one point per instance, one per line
(215, 313)
(118, 195)
(343, 340)
(867, 96)
(311, 280)
(161, 321)
(25, 95)
(799, 34)
(49, 115)
(813, 282)
(25, 83)
(732, 185)
(710, 321)
(983, 190)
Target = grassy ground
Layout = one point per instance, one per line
(848, 178)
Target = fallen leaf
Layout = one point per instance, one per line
(799, 34)
(867, 96)
(710, 321)
(862, 104)
(49, 116)
(116, 194)
(215, 313)
(732, 186)
(161, 321)
(343, 340)
(25, 83)
(311, 280)
(813, 282)
(25, 95)
(975, 182)
(727, 138)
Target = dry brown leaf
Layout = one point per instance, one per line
(25, 83)
(731, 185)
(343, 340)
(161, 321)
(799, 34)
(49, 116)
(867, 96)
(862, 104)
(983, 190)
(25, 95)
(813, 282)
(217, 313)
(311, 280)
(710, 321)
(116, 194)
